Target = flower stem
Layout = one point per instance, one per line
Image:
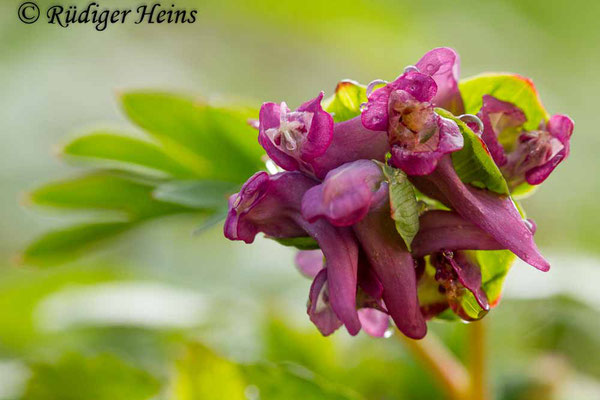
(477, 360)
(448, 371)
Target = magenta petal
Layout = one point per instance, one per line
(425, 162)
(498, 115)
(319, 309)
(309, 262)
(351, 141)
(394, 266)
(346, 194)
(267, 204)
(493, 213)
(374, 322)
(269, 118)
(443, 65)
(321, 129)
(367, 279)
(561, 128)
(446, 230)
(375, 113)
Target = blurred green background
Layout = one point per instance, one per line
(118, 323)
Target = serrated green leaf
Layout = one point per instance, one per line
(345, 102)
(104, 190)
(507, 87)
(102, 377)
(214, 143)
(301, 243)
(403, 204)
(196, 194)
(473, 163)
(126, 151)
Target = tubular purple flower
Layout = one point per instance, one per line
(441, 230)
(346, 194)
(443, 65)
(371, 312)
(271, 204)
(495, 214)
(307, 139)
(523, 156)
(356, 194)
(418, 136)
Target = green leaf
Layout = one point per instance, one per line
(215, 143)
(104, 190)
(102, 377)
(125, 151)
(345, 103)
(403, 204)
(64, 244)
(196, 194)
(494, 265)
(301, 243)
(473, 163)
(507, 87)
(201, 374)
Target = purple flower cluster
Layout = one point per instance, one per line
(334, 190)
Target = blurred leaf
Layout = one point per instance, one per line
(201, 374)
(403, 204)
(214, 143)
(473, 163)
(102, 377)
(196, 194)
(125, 150)
(64, 244)
(507, 87)
(21, 291)
(345, 103)
(104, 190)
(301, 243)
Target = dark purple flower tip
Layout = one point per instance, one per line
(500, 119)
(419, 87)
(524, 156)
(293, 138)
(440, 230)
(418, 152)
(394, 267)
(443, 65)
(553, 144)
(455, 271)
(495, 214)
(309, 262)
(267, 204)
(346, 194)
(319, 310)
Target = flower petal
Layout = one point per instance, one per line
(425, 162)
(321, 129)
(394, 267)
(374, 322)
(446, 230)
(319, 309)
(443, 65)
(561, 128)
(493, 213)
(309, 262)
(346, 194)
